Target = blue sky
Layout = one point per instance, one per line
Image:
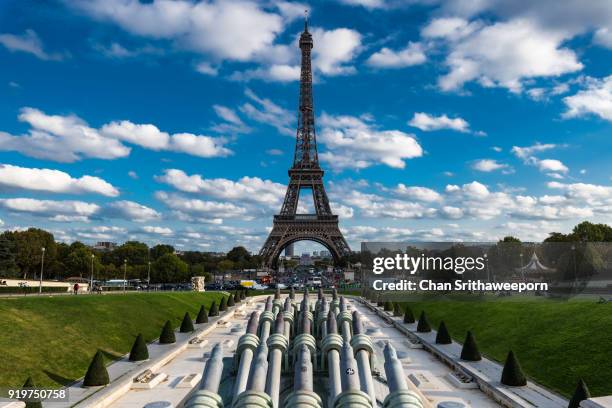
(173, 121)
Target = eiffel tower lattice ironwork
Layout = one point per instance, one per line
(306, 173)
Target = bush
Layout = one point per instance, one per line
(470, 352)
(397, 309)
(186, 324)
(223, 305)
(443, 337)
(167, 334)
(237, 297)
(32, 289)
(139, 350)
(202, 315)
(388, 306)
(230, 301)
(31, 404)
(214, 311)
(379, 301)
(582, 392)
(512, 374)
(96, 373)
(423, 326)
(408, 316)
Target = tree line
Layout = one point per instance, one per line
(21, 256)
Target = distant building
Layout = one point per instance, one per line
(105, 246)
(315, 254)
(289, 250)
(305, 259)
(325, 254)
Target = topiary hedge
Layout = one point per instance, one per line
(167, 334)
(214, 310)
(230, 300)
(580, 394)
(186, 324)
(202, 316)
(388, 306)
(408, 316)
(223, 305)
(96, 373)
(139, 350)
(397, 309)
(31, 404)
(512, 374)
(423, 326)
(470, 351)
(237, 297)
(443, 337)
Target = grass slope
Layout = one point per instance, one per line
(556, 342)
(53, 339)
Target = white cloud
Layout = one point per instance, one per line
(428, 123)
(233, 123)
(596, 100)
(252, 189)
(412, 54)
(267, 112)
(488, 165)
(554, 167)
(194, 209)
(417, 193)
(603, 37)
(504, 53)
(69, 138)
(353, 142)
(375, 206)
(131, 211)
(207, 69)
(222, 29)
(55, 181)
(452, 28)
(30, 43)
(155, 230)
(61, 211)
(334, 49)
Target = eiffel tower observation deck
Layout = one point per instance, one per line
(305, 174)
(308, 350)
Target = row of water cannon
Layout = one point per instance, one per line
(301, 339)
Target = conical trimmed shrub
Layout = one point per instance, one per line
(230, 301)
(388, 306)
(443, 337)
(139, 350)
(379, 301)
(512, 374)
(31, 404)
(186, 324)
(167, 334)
(202, 316)
(397, 309)
(408, 316)
(237, 297)
(96, 373)
(470, 352)
(223, 305)
(582, 392)
(423, 326)
(214, 310)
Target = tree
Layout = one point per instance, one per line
(8, 266)
(29, 384)
(78, 261)
(238, 254)
(167, 334)
(160, 250)
(29, 246)
(580, 394)
(186, 324)
(169, 268)
(139, 350)
(423, 326)
(443, 337)
(96, 373)
(470, 351)
(408, 316)
(512, 373)
(202, 316)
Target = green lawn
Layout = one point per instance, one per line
(556, 342)
(54, 338)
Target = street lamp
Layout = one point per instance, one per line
(149, 277)
(91, 278)
(42, 268)
(124, 274)
(486, 257)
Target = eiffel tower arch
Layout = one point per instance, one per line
(305, 174)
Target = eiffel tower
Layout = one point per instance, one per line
(306, 173)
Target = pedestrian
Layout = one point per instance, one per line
(76, 288)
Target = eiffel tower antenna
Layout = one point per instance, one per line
(305, 174)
